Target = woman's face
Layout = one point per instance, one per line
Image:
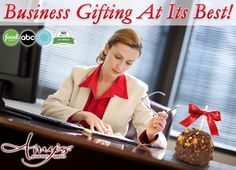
(119, 58)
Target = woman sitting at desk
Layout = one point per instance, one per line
(105, 98)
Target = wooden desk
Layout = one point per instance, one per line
(85, 154)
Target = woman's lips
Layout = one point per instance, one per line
(115, 71)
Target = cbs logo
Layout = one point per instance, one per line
(27, 38)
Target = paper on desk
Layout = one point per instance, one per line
(116, 137)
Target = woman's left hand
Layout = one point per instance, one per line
(155, 125)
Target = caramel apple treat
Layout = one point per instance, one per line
(195, 147)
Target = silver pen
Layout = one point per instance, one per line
(174, 108)
(167, 112)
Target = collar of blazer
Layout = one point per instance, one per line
(84, 94)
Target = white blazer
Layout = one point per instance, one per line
(70, 98)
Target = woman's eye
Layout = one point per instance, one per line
(129, 64)
(117, 57)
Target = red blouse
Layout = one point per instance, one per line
(98, 106)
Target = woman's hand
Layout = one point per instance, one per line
(94, 122)
(155, 125)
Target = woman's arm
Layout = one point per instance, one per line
(149, 128)
(56, 105)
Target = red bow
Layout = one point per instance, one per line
(195, 113)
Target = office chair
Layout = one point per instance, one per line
(131, 134)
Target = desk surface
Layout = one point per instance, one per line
(87, 151)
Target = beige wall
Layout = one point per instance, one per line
(218, 156)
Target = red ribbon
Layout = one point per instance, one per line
(195, 113)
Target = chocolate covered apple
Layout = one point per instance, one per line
(195, 147)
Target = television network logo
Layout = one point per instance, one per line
(10, 37)
(27, 38)
(43, 37)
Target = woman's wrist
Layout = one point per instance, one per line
(151, 137)
(145, 139)
(78, 116)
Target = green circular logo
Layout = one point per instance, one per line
(10, 37)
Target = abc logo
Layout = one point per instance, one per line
(27, 38)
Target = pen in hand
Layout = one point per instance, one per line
(167, 112)
(174, 108)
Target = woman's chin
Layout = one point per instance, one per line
(115, 72)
